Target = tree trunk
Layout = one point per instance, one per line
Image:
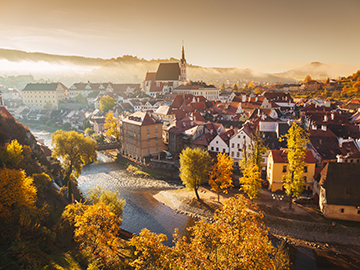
(290, 203)
(196, 193)
(218, 197)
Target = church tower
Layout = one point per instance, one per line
(183, 66)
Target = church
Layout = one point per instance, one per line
(168, 76)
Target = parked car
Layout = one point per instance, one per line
(302, 200)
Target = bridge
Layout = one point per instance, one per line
(108, 146)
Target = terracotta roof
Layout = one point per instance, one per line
(227, 135)
(280, 156)
(204, 139)
(140, 118)
(341, 182)
(197, 106)
(150, 76)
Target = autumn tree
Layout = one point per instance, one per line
(235, 87)
(237, 239)
(79, 97)
(12, 156)
(97, 231)
(194, 165)
(89, 131)
(251, 85)
(297, 140)
(106, 103)
(74, 151)
(110, 198)
(308, 78)
(251, 180)
(18, 196)
(112, 126)
(220, 175)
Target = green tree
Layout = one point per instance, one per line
(112, 126)
(220, 175)
(194, 165)
(110, 198)
(86, 124)
(79, 97)
(74, 150)
(297, 139)
(106, 103)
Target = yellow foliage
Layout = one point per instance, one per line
(18, 195)
(221, 173)
(237, 239)
(74, 149)
(97, 231)
(112, 126)
(251, 181)
(194, 164)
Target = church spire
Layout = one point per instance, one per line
(183, 64)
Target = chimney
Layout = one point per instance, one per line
(339, 158)
(340, 141)
(313, 127)
(323, 127)
(332, 116)
(325, 117)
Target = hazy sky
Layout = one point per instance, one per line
(265, 35)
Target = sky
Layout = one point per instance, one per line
(263, 35)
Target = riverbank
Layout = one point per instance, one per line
(334, 246)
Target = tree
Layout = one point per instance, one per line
(251, 85)
(112, 126)
(79, 97)
(18, 196)
(194, 164)
(297, 140)
(221, 174)
(110, 198)
(251, 181)
(86, 124)
(106, 103)
(89, 131)
(235, 87)
(237, 239)
(97, 230)
(257, 151)
(12, 155)
(308, 78)
(74, 150)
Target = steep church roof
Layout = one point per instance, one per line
(168, 72)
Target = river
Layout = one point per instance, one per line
(142, 210)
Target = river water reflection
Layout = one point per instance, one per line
(142, 210)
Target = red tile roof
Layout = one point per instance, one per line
(280, 156)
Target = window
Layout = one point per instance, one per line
(284, 168)
(232, 154)
(306, 169)
(237, 154)
(358, 212)
(305, 178)
(238, 145)
(232, 145)
(342, 210)
(157, 143)
(148, 144)
(148, 128)
(212, 148)
(217, 142)
(156, 135)
(217, 149)
(156, 127)
(223, 150)
(148, 136)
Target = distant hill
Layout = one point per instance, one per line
(318, 71)
(131, 69)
